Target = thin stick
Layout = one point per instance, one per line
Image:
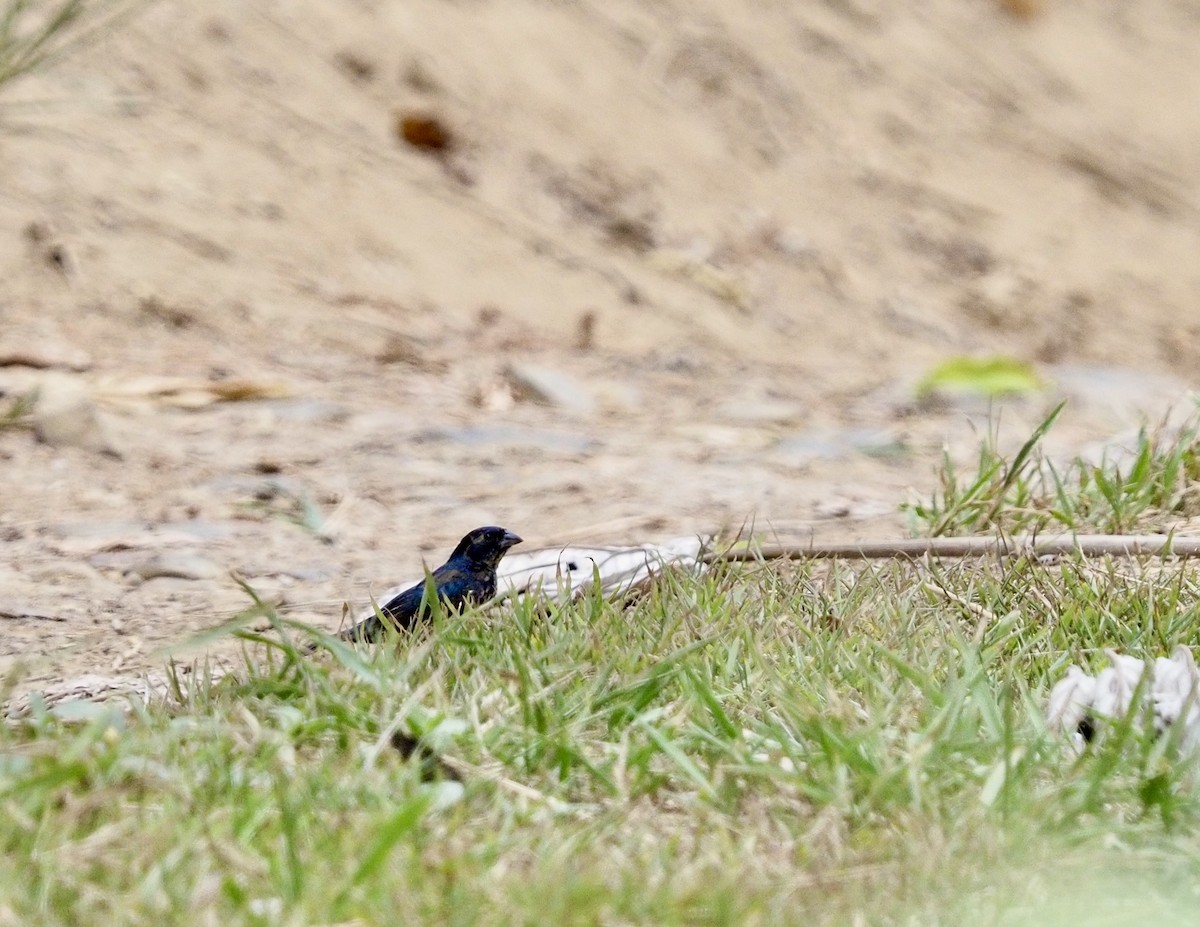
(1086, 545)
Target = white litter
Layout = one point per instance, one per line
(1080, 704)
(564, 573)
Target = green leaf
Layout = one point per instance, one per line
(981, 376)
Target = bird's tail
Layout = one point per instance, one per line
(367, 631)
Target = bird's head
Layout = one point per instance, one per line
(485, 546)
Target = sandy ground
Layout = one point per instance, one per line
(678, 268)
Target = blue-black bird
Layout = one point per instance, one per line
(467, 578)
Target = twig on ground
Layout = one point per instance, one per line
(1086, 545)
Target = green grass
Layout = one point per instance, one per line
(812, 743)
(1028, 493)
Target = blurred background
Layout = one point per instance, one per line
(308, 290)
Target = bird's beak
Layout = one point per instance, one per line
(511, 540)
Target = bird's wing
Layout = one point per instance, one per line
(403, 608)
(399, 605)
(456, 583)
(402, 603)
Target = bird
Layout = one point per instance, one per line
(468, 577)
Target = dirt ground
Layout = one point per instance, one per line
(677, 267)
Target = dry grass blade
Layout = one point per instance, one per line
(185, 393)
(17, 415)
(33, 35)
